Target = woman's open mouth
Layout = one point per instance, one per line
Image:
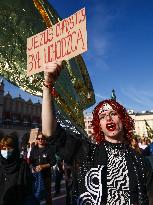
(111, 126)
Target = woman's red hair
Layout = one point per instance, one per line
(128, 122)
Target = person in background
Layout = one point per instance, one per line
(24, 151)
(143, 143)
(68, 182)
(42, 158)
(135, 145)
(29, 148)
(15, 175)
(59, 171)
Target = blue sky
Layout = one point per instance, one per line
(120, 48)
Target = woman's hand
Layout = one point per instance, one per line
(51, 72)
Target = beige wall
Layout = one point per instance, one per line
(139, 120)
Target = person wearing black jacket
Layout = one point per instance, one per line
(15, 175)
(42, 158)
(106, 172)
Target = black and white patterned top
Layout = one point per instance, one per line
(104, 174)
(117, 175)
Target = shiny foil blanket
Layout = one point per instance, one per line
(20, 19)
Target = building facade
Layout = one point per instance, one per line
(139, 119)
(18, 115)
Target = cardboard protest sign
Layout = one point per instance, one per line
(63, 41)
(33, 135)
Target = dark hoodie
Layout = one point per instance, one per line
(15, 180)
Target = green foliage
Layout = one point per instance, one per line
(149, 130)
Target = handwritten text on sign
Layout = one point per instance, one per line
(66, 39)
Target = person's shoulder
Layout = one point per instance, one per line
(136, 153)
(140, 158)
(86, 146)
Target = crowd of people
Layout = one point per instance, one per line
(115, 170)
(26, 177)
(15, 175)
